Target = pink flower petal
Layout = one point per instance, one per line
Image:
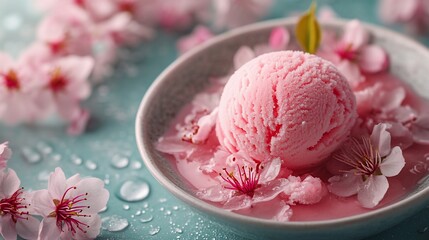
(97, 195)
(242, 56)
(78, 125)
(238, 202)
(270, 171)
(48, 229)
(393, 163)
(373, 59)
(420, 129)
(7, 227)
(9, 183)
(326, 13)
(279, 38)
(57, 183)
(94, 223)
(42, 203)
(351, 72)
(373, 190)
(389, 99)
(200, 35)
(345, 185)
(355, 35)
(206, 125)
(270, 190)
(380, 138)
(392, 11)
(216, 193)
(28, 228)
(401, 136)
(5, 154)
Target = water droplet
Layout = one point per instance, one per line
(44, 175)
(138, 213)
(103, 209)
(76, 159)
(161, 209)
(145, 205)
(126, 207)
(91, 165)
(146, 220)
(107, 181)
(55, 157)
(163, 200)
(30, 155)
(12, 22)
(178, 230)
(114, 223)
(136, 165)
(154, 230)
(119, 161)
(175, 208)
(134, 190)
(168, 212)
(44, 148)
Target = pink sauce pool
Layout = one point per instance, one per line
(191, 163)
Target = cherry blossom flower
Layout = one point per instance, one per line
(353, 54)
(123, 30)
(384, 102)
(252, 183)
(180, 14)
(18, 92)
(5, 154)
(70, 207)
(66, 84)
(235, 13)
(14, 209)
(371, 160)
(67, 32)
(413, 13)
(199, 35)
(278, 40)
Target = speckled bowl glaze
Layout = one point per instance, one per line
(190, 74)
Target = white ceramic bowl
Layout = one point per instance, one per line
(190, 74)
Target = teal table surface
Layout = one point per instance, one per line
(108, 149)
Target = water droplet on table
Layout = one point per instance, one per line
(76, 160)
(44, 148)
(126, 207)
(44, 175)
(138, 213)
(175, 208)
(119, 161)
(178, 230)
(30, 155)
(114, 223)
(154, 230)
(146, 219)
(133, 190)
(12, 22)
(91, 165)
(55, 157)
(423, 230)
(136, 165)
(168, 213)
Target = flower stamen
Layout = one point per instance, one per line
(67, 210)
(245, 182)
(14, 206)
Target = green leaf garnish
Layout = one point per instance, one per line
(308, 32)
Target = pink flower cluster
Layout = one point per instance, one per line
(79, 39)
(69, 207)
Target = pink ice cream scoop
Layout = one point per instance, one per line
(288, 104)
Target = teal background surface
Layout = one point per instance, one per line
(110, 135)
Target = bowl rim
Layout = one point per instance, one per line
(415, 200)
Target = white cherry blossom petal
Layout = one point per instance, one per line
(345, 185)
(393, 163)
(372, 191)
(242, 56)
(380, 138)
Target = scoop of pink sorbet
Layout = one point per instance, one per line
(288, 104)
